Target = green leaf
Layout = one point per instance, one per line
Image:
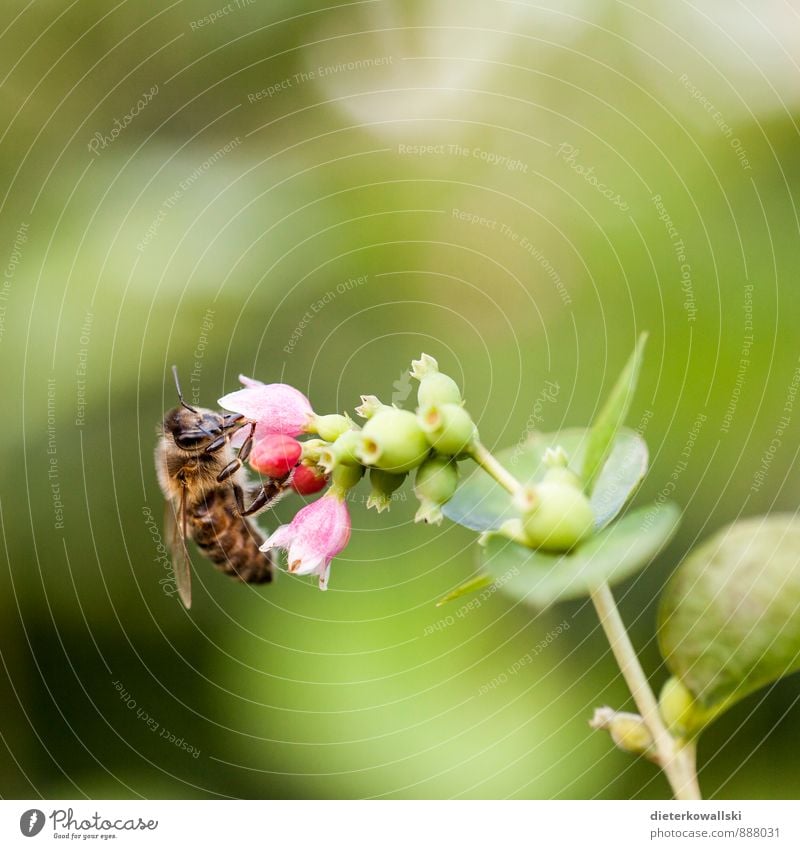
(481, 504)
(540, 579)
(476, 583)
(611, 418)
(729, 620)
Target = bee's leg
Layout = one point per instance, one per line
(221, 440)
(247, 445)
(268, 493)
(241, 456)
(215, 445)
(238, 495)
(229, 470)
(258, 503)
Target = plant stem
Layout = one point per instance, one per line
(489, 463)
(676, 757)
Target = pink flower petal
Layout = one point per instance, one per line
(250, 382)
(305, 565)
(280, 538)
(314, 537)
(275, 407)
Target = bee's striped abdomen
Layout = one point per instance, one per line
(229, 540)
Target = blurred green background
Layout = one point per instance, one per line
(524, 188)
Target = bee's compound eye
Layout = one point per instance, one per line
(189, 440)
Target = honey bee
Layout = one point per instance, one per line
(204, 484)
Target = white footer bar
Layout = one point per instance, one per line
(400, 824)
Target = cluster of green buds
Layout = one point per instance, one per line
(393, 442)
(430, 441)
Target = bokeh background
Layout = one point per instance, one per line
(316, 192)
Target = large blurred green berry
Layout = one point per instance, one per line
(434, 485)
(438, 388)
(383, 485)
(393, 440)
(556, 516)
(728, 619)
(449, 428)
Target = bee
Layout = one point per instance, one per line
(204, 484)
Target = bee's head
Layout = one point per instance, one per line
(195, 428)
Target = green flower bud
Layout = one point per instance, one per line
(331, 427)
(449, 428)
(312, 448)
(556, 458)
(438, 389)
(683, 715)
(393, 440)
(370, 405)
(556, 516)
(565, 477)
(343, 452)
(383, 485)
(344, 478)
(434, 387)
(425, 366)
(627, 730)
(435, 484)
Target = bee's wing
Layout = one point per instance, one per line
(175, 526)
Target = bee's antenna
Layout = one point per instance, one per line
(180, 394)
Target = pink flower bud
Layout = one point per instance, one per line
(307, 480)
(275, 407)
(275, 455)
(314, 537)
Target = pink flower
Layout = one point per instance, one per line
(314, 537)
(275, 407)
(275, 455)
